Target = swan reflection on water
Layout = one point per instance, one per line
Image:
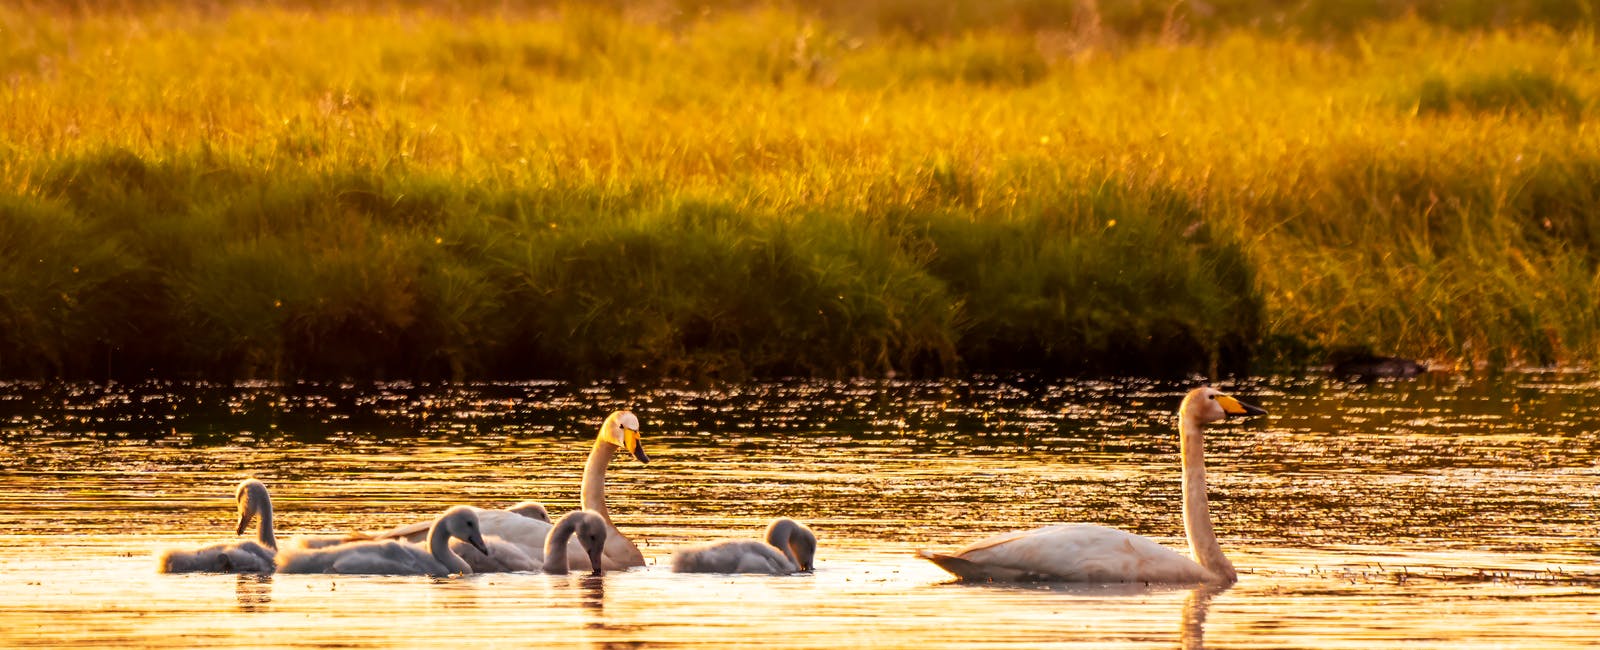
(254, 592)
(587, 592)
(1193, 630)
(1192, 617)
(593, 593)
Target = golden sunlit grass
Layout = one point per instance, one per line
(404, 191)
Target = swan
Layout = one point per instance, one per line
(790, 547)
(1088, 553)
(588, 527)
(620, 430)
(392, 557)
(241, 557)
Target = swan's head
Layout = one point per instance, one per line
(622, 429)
(462, 523)
(1206, 405)
(531, 510)
(804, 548)
(252, 499)
(796, 541)
(591, 535)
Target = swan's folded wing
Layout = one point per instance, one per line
(515, 528)
(620, 552)
(526, 532)
(973, 571)
(503, 557)
(1002, 538)
(731, 556)
(248, 557)
(388, 558)
(372, 563)
(1074, 553)
(326, 541)
(410, 532)
(243, 557)
(768, 561)
(186, 561)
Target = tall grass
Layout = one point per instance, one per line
(764, 189)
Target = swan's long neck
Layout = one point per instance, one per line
(439, 546)
(594, 478)
(1196, 508)
(257, 503)
(781, 536)
(555, 546)
(264, 532)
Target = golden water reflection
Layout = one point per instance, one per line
(1448, 512)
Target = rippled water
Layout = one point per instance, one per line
(1444, 512)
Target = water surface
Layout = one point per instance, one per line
(1447, 512)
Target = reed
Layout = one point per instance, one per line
(462, 190)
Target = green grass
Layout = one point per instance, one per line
(418, 190)
(1512, 93)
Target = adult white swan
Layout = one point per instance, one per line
(619, 431)
(585, 528)
(790, 547)
(1088, 553)
(393, 557)
(240, 557)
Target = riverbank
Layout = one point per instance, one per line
(403, 192)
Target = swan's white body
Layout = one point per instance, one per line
(1071, 553)
(1087, 553)
(240, 557)
(503, 556)
(620, 430)
(790, 548)
(501, 525)
(393, 557)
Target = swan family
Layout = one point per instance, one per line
(522, 538)
(463, 540)
(527, 525)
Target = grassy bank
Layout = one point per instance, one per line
(414, 191)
